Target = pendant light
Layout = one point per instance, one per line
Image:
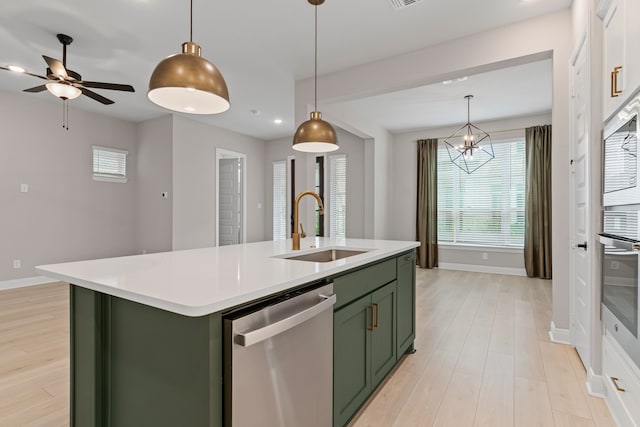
(188, 83)
(315, 135)
(469, 147)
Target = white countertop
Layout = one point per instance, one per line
(203, 281)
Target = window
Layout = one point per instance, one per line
(487, 206)
(338, 195)
(279, 200)
(109, 164)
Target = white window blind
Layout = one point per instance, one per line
(279, 200)
(109, 164)
(337, 195)
(487, 206)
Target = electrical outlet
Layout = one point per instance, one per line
(165, 195)
(24, 188)
(485, 256)
(17, 263)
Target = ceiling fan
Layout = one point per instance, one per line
(65, 83)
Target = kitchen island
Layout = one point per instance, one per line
(146, 330)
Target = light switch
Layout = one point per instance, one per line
(24, 188)
(17, 263)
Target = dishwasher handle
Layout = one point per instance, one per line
(250, 338)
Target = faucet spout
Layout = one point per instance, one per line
(295, 236)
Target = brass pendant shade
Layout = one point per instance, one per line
(315, 135)
(188, 83)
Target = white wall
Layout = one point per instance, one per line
(194, 182)
(351, 145)
(155, 171)
(405, 190)
(66, 215)
(538, 38)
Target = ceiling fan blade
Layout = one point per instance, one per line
(95, 96)
(24, 72)
(110, 86)
(36, 89)
(56, 67)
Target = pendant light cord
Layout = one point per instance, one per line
(191, 22)
(315, 72)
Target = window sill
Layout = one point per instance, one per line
(481, 248)
(110, 179)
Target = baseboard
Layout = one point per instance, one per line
(482, 269)
(23, 283)
(560, 336)
(595, 384)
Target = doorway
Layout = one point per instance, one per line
(231, 197)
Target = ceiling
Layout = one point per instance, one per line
(261, 47)
(517, 91)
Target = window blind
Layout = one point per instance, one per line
(487, 206)
(279, 200)
(338, 195)
(109, 164)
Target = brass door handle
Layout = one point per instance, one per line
(375, 325)
(370, 328)
(614, 82)
(615, 383)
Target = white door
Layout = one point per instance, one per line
(581, 280)
(230, 199)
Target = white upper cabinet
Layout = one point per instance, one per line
(621, 55)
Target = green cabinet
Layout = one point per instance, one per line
(364, 349)
(373, 325)
(406, 308)
(351, 358)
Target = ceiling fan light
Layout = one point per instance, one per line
(188, 83)
(315, 136)
(63, 91)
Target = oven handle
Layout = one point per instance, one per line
(619, 243)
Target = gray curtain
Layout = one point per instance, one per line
(427, 212)
(537, 234)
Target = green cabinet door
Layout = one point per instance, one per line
(351, 358)
(406, 310)
(383, 337)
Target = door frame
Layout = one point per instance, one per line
(594, 383)
(582, 47)
(228, 154)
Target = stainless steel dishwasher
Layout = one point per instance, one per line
(279, 361)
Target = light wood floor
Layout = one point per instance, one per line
(484, 358)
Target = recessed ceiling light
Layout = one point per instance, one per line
(459, 79)
(278, 121)
(16, 68)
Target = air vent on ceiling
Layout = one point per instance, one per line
(401, 4)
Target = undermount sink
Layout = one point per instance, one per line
(326, 255)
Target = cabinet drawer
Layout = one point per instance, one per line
(615, 366)
(352, 286)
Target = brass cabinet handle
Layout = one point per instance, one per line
(614, 82)
(376, 324)
(370, 328)
(615, 383)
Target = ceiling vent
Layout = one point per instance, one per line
(401, 4)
